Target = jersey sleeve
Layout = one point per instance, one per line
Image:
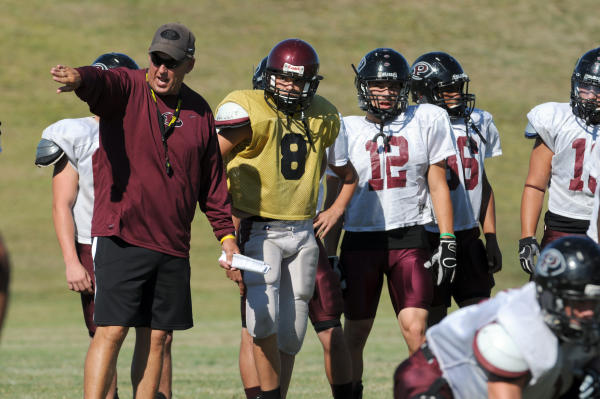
(61, 134)
(231, 115)
(539, 125)
(337, 154)
(493, 147)
(497, 353)
(440, 138)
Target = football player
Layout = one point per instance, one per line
(538, 341)
(69, 145)
(438, 78)
(399, 153)
(325, 307)
(274, 144)
(564, 135)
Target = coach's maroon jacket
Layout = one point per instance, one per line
(135, 199)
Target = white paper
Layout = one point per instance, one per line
(248, 264)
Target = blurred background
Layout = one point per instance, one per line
(518, 54)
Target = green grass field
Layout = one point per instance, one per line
(518, 54)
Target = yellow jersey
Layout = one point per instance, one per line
(276, 174)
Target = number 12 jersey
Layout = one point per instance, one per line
(392, 189)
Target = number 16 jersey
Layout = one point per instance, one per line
(392, 189)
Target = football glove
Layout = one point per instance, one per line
(528, 249)
(590, 386)
(335, 264)
(443, 261)
(494, 256)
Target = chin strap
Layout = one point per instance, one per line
(386, 139)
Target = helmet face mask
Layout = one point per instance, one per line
(585, 88)
(435, 74)
(568, 289)
(290, 77)
(382, 83)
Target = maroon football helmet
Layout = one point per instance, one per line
(297, 60)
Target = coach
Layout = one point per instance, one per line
(158, 156)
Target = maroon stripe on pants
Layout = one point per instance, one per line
(84, 252)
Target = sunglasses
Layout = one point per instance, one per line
(169, 63)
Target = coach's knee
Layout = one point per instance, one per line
(113, 334)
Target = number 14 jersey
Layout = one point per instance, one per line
(571, 190)
(392, 189)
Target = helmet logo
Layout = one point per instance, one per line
(460, 76)
(593, 78)
(421, 70)
(552, 263)
(383, 74)
(100, 65)
(298, 69)
(591, 290)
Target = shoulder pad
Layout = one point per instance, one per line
(47, 153)
(230, 115)
(530, 132)
(497, 353)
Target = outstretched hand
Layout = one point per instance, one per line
(67, 76)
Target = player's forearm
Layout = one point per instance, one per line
(331, 239)
(531, 208)
(504, 390)
(349, 182)
(489, 219)
(440, 197)
(64, 226)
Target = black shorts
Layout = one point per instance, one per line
(139, 287)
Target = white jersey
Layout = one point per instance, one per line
(592, 166)
(392, 187)
(78, 138)
(568, 137)
(519, 314)
(465, 177)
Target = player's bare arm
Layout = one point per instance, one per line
(65, 182)
(327, 219)
(506, 390)
(440, 196)
(67, 76)
(540, 168)
(487, 218)
(235, 275)
(230, 137)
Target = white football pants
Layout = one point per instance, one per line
(277, 302)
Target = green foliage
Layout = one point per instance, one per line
(518, 54)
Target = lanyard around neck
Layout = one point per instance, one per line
(165, 132)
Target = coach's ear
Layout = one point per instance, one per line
(189, 65)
